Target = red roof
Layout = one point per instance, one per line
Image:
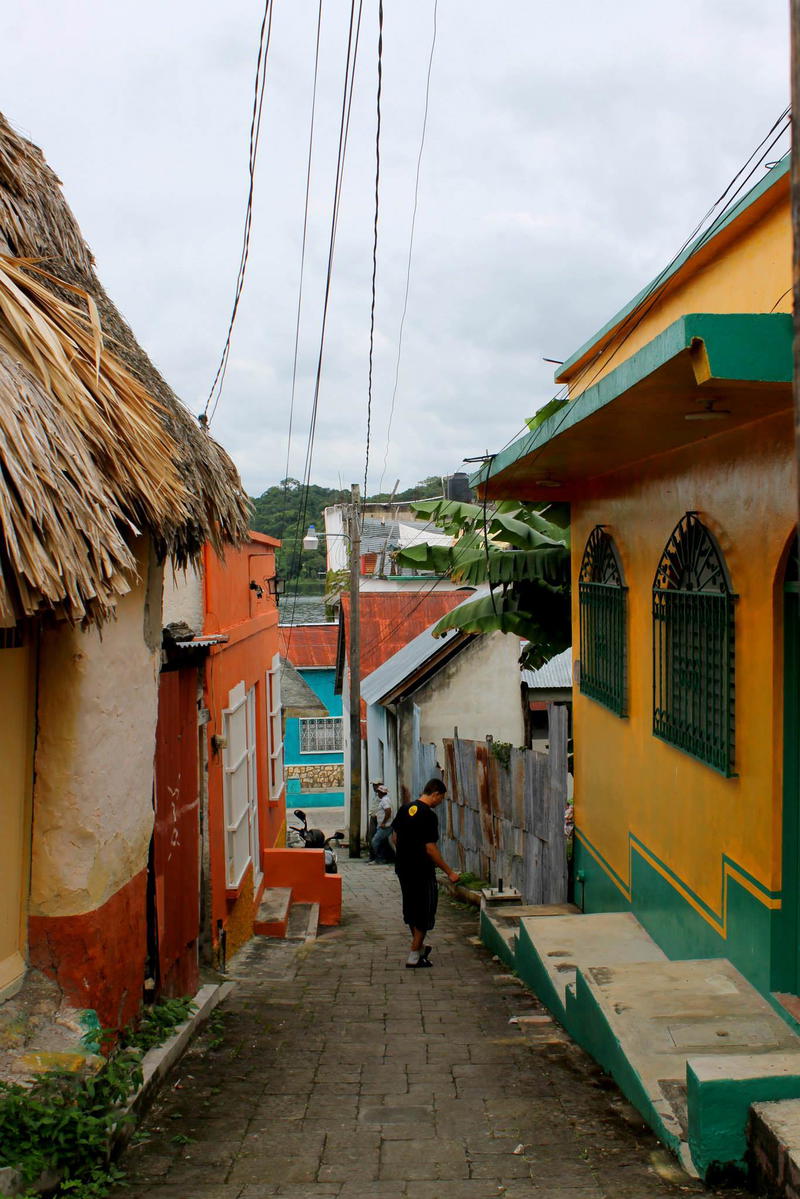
(390, 619)
(309, 644)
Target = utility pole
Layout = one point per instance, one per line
(354, 657)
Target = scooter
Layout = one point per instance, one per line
(314, 838)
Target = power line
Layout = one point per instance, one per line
(374, 245)
(255, 134)
(302, 258)
(344, 127)
(410, 249)
(654, 290)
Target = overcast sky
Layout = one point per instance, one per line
(571, 147)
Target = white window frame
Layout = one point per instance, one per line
(317, 720)
(274, 729)
(235, 771)
(252, 782)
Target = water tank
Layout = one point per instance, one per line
(458, 488)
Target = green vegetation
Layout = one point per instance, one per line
(64, 1123)
(522, 552)
(278, 511)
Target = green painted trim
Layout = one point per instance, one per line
(769, 180)
(531, 970)
(674, 924)
(494, 942)
(598, 1038)
(749, 347)
(718, 1112)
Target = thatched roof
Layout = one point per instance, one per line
(94, 445)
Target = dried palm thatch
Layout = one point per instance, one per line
(94, 446)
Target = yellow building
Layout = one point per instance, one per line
(676, 453)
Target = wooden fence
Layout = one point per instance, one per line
(505, 819)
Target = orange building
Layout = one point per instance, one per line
(230, 606)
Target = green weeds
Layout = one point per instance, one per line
(65, 1123)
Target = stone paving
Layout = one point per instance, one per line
(334, 1071)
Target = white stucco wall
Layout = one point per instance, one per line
(183, 597)
(97, 711)
(478, 692)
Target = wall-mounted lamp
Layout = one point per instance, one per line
(276, 586)
(311, 541)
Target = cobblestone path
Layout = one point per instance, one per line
(334, 1071)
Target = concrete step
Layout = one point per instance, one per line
(691, 1044)
(774, 1139)
(500, 921)
(552, 951)
(273, 912)
(303, 922)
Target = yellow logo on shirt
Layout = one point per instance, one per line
(412, 811)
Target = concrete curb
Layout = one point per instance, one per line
(156, 1064)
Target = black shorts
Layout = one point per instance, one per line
(420, 899)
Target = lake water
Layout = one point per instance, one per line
(302, 609)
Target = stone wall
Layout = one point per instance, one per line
(328, 777)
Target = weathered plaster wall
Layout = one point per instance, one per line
(183, 597)
(97, 707)
(478, 691)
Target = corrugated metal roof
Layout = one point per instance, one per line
(200, 642)
(390, 619)
(410, 657)
(297, 698)
(553, 676)
(307, 645)
(393, 534)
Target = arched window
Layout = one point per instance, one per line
(603, 597)
(693, 647)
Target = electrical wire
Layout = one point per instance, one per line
(302, 262)
(264, 40)
(653, 291)
(374, 246)
(344, 127)
(410, 248)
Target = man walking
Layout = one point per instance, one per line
(416, 833)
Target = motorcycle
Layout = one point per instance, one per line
(314, 838)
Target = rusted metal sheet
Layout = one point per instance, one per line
(176, 838)
(508, 821)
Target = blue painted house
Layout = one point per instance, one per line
(313, 745)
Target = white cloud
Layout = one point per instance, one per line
(570, 150)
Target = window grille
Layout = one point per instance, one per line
(603, 610)
(693, 647)
(321, 735)
(11, 638)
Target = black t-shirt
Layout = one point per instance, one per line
(416, 825)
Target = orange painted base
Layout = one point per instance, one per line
(304, 871)
(97, 958)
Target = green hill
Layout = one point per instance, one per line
(278, 512)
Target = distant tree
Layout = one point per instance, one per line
(278, 512)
